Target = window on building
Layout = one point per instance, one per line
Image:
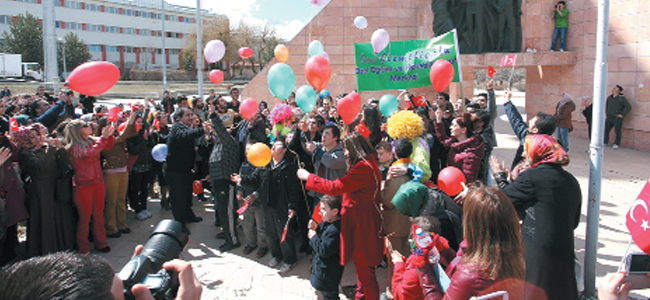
(57, 24)
(174, 51)
(73, 4)
(112, 29)
(128, 12)
(5, 19)
(28, 1)
(158, 51)
(146, 32)
(95, 48)
(72, 26)
(93, 7)
(112, 10)
(157, 16)
(91, 27)
(157, 33)
(128, 31)
(129, 49)
(112, 49)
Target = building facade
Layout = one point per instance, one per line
(127, 33)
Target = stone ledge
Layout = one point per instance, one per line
(523, 59)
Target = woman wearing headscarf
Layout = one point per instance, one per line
(50, 227)
(548, 198)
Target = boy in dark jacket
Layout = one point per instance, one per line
(325, 239)
(253, 216)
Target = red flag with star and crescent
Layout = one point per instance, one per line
(491, 71)
(508, 60)
(638, 219)
(13, 124)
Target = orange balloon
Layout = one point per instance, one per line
(259, 155)
(281, 53)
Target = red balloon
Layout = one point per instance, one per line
(248, 108)
(93, 78)
(245, 52)
(216, 76)
(318, 71)
(449, 180)
(441, 74)
(349, 106)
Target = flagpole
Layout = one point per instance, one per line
(512, 72)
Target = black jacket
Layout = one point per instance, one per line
(224, 159)
(326, 269)
(279, 188)
(180, 148)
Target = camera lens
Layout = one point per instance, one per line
(166, 243)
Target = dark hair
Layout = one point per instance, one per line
(359, 148)
(484, 115)
(181, 98)
(466, 120)
(373, 121)
(428, 223)
(493, 234)
(620, 88)
(329, 98)
(98, 108)
(31, 109)
(319, 120)
(178, 114)
(444, 95)
(336, 132)
(334, 202)
(101, 123)
(484, 95)
(562, 2)
(546, 123)
(62, 275)
(384, 145)
(403, 148)
(233, 89)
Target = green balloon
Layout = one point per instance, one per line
(388, 105)
(281, 80)
(306, 98)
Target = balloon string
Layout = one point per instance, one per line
(302, 184)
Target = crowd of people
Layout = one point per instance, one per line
(373, 182)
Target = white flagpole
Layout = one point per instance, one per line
(512, 72)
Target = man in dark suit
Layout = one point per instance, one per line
(179, 164)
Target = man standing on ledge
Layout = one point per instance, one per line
(179, 164)
(616, 109)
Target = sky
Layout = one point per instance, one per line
(288, 16)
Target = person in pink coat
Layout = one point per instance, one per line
(362, 238)
(88, 190)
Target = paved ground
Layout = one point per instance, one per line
(233, 275)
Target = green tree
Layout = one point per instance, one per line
(76, 52)
(188, 60)
(25, 37)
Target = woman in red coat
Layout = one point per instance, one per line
(361, 233)
(465, 147)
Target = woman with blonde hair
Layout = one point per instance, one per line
(493, 259)
(88, 192)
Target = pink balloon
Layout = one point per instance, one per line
(214, 51)
(245, 52)
(93, 78)
(248, 108)
(216, 76)
(319, 2)
(441, 74)
(318, 72)
(327, 56)
(348, 107)
(379, 40)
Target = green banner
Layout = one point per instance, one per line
(404, 64)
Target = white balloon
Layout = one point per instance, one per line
(360, 22)
(214, 51)
(327, 56)
(379, 40)
(319, 2)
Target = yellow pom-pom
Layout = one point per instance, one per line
(405, 124)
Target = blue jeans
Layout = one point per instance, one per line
(562, 33)
(563, 137)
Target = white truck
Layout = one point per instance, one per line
(12, 66)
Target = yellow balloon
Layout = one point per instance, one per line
(281, 52)
(259, 155)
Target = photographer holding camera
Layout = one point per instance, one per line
(561, 16)
(150, 274)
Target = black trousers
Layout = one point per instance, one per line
(274, 227)
(617, 123)
(226, 212)
(180, 195)
(138, 190)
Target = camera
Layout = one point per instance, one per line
(165, 243)
(637, 265)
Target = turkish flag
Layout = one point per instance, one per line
(13, 124)
(638, 219)
(242, 209)
(112, 113)
(491, 71)
(197, 187)
(156, 124)
(284, 232)
(420, 101)
(316, 214)
(508, 60)
(361, 128)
